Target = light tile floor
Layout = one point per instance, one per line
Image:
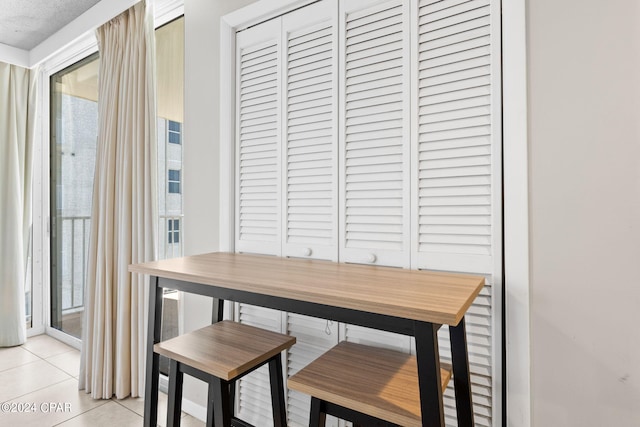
(42, 377)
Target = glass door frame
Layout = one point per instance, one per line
(56, 235)
(41, 309)
(83, 46)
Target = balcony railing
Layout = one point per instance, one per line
(72, 260)
(74, 241)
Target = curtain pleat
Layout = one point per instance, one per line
(17, 125)
(124, 210)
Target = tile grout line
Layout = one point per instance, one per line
(20, 366)
(125, 407)
(104, 402)
(51, 355)
(71, 377)
(62, 370)
(38, 389)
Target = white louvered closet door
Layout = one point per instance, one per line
(456, 166)
(258, 206)
(310, 172)
(374, 132)
(258, 129)
(455, 136)
(310, 131)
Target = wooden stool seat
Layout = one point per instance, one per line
(225, 349)
(377, 382)
(220, 354)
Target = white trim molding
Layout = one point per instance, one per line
(166, 11)
(516, 214)
(78, 28)
(82, 28)
(13, 55)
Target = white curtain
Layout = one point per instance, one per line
(17, 124)
(123, 216)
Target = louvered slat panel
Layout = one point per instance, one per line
(313, 338)
(454, 137)
(374, 150)
(254, 401)
(310, 154)
(254, 398)
(258, 187)
(310, 183)
(258, 157)
(454, 163)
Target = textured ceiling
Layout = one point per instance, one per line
(27, 23)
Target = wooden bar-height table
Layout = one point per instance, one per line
(409, 302)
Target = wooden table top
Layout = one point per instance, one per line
(429, 296)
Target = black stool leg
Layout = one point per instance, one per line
(174, 407)
(277, 392)
(210, 401)
(221, 404)
(317, 417)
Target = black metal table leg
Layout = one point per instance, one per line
(317, 417)
(153, 360)
(429, 378)
(217, 310)
(461, 375)
(278, 405)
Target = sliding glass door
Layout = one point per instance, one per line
(74, 128)
(74, 125)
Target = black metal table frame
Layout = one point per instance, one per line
(425, 334)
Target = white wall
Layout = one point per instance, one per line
(584, 157)
(201, 148)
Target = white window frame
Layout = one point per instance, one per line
(173, 231)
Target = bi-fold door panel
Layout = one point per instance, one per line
(258, 185)
(293, 160)
(454, 156)
(258, 116)
(374, 132)
(310, 88)
(310, 131)
(456, 170)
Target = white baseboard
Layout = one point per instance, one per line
(188, 406)
(195, 410)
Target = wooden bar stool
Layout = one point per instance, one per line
(369, 386)
(220, 354)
